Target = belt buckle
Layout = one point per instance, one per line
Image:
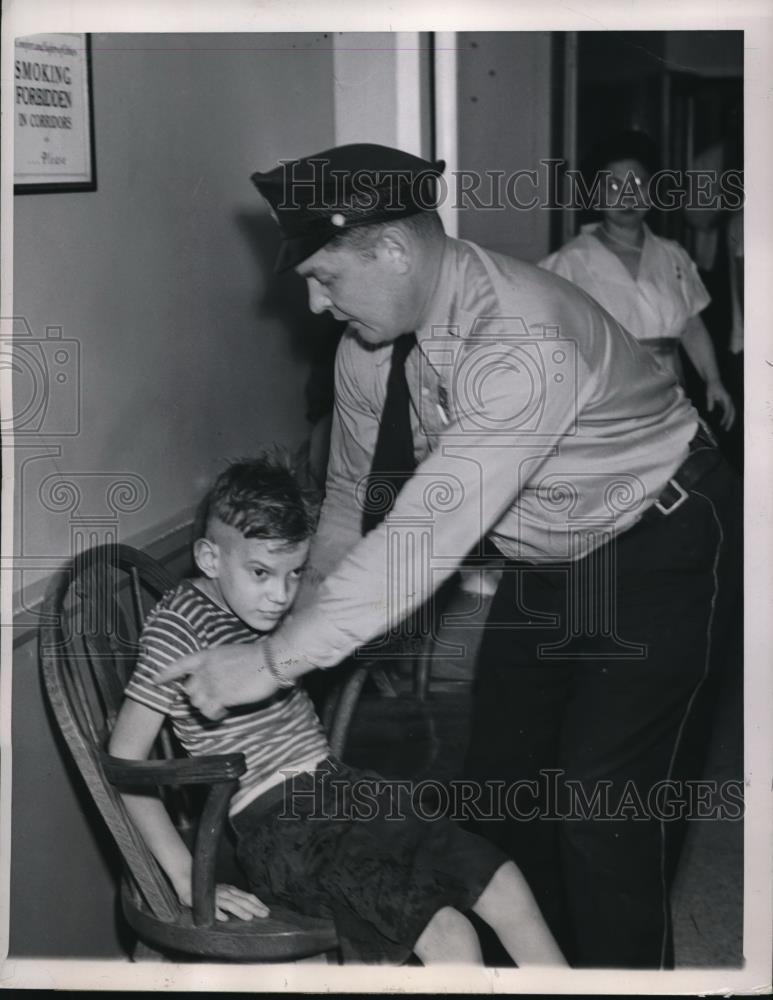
(683, 494)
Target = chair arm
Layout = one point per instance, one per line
(182, 771)
(221, 773)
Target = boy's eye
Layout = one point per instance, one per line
(260, 574)
(296, 574)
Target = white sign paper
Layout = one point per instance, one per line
(51, 111)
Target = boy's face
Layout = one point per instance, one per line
(256, 578)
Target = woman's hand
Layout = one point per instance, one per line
(717, 393)
(230, 902)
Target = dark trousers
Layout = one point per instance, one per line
(594, 687)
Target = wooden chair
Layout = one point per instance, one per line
(92, 616)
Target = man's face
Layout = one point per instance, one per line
(257, 578)
(368, 289)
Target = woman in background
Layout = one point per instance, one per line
(649, 284)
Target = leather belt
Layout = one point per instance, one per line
(702, 458)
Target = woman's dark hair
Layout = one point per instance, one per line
(622, 144)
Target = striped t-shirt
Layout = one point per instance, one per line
(280, 734)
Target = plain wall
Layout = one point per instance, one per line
(189, 349)
(504, 123)
(190, 352)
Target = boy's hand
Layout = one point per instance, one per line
(231, 902)
(223, 676)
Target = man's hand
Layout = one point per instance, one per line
(223, 676)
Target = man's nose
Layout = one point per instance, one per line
(318, 297)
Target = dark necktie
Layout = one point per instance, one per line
(393, 458)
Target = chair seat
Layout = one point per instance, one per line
(284, 936)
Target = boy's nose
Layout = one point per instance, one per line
(279, 592)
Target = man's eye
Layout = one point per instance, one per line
(296, 574)
(260, 574)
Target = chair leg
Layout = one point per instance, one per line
(421, 675)
(383, 682)
(347, 702)
(144, 953)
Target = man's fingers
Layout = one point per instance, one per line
(193, 669)
(204, 704)
(180, 668)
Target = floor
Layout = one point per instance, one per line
(401, 736)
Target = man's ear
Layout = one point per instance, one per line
(207, 556)
(397, 248)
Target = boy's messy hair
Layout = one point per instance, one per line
(261, 497)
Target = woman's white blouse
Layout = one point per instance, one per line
(656, 304)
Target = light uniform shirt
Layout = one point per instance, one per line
(537, 419)
(657, 304)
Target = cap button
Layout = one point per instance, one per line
(337, 219)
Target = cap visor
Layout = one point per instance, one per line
(297, 249)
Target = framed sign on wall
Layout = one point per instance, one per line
(53, 114)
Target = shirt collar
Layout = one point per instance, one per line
(444, 302)
(590, 227)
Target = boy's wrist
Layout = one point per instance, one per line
(182, 883)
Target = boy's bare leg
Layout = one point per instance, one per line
(449, 937)
(509, 908)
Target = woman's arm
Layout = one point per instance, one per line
(700, 350)
(135, 731)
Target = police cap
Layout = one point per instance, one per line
(318, 197)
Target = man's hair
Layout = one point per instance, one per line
(424, 225)
(261, 497)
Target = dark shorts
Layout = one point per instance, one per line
(347, 844)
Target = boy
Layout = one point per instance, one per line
(393, 885)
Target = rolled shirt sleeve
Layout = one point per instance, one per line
(352, 441)
(481, 462)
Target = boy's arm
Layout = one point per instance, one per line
(135, 731)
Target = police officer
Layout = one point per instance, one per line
(478, 397)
